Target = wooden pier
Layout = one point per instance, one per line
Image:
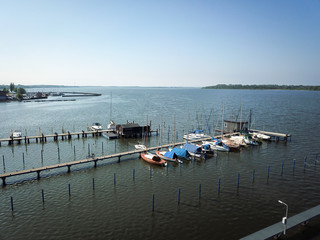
(55, 136)
(88, 160)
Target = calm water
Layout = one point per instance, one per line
(124, 210)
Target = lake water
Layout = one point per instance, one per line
(120, 206)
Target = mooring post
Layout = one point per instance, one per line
(305, 163)
(38, 175)
(4, 164)
(238, 182)
(95, 163)
(41, 155)
(133, 174)
(23, 158)
(114, 179)
(219, 186)
(253, 176)
(3, 181)
(152, 202)
(281, 168)
(69, 168)
(42, 193)
(315, 159)
(102, 147)
(69, 190)
(199, 194)
(74, 150)
(12, 204)
(178, 196)
(58, 153)
(294, 163)
(93, 184)
(268, 172)
(88, 149)
(115, 145)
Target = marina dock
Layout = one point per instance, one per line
(55, 136)
(88, 160)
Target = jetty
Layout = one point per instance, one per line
(88, 160)
(55, 136)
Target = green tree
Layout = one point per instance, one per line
(11, 87)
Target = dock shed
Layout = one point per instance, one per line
(235, 126)
(131, 130)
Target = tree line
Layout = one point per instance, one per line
(264, 87)
(18, 90)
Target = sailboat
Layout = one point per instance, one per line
(111, 127)
(150, 157)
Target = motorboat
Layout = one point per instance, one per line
(140, 147)
(16, 134)
(195, 135)
(217, 145)
(95, 127)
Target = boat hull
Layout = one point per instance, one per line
(153, 159)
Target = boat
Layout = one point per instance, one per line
(153, 159)
(181, 153)
(194, 150)
(233, 146)
(261, 136)
(195, 135)
(239, 140)
(111, 126)
(95, 127)
(217, 145)
(16, 134)
(168, 156)
(206, 148)
(248, 140)
(140, 147)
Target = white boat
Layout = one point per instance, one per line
(262, 136)
(140, 147)
(248, 140)
(95, 127)
(217, 146)
(238, 140)
(195, 135)
(111, 126)
(16, 134)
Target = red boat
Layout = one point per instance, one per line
(153, 159)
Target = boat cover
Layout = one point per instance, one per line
(192, 148)
(170, 155)
(181, 152)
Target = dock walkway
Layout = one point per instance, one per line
(88, 160)
(277, 229)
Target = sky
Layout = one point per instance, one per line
(169, 43)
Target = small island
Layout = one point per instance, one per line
(264, 87)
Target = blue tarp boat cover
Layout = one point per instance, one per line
(192, 148)
(181, 152)
(170, 155)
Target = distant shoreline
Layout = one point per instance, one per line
(264, 87)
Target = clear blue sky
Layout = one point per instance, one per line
(159, 43)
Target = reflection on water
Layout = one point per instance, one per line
(124, 210)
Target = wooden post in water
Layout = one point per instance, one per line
(93, 184)
(152, 202)
(42, 193)
(199, 194)
(268, 172)
(178, 196)
(219, 186)
(253, 176)
(11, 204)
(23, 159)
(58, 153)
(69, 190)
(133, 174)
(4, 164)
(114, 179)
(238, 182)
(281, 168)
